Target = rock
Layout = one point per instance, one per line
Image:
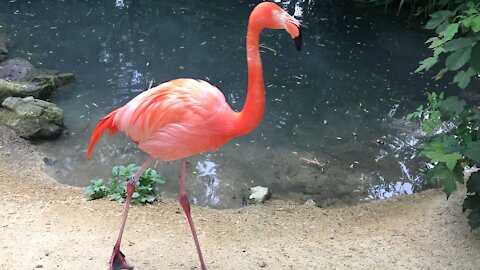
(18, 78)
(310, 202)
(16, 69)
(32, 118)
(23, 89)
(55, 80)
(3, 46)
(259, 194)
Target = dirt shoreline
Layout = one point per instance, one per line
(47, 225)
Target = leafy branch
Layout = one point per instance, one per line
(458, 33)
(453, 147)
(116, 188)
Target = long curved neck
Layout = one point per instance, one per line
(252, 112)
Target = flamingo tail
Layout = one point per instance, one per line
(106, 123)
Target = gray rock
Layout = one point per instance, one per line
(32, 118)
(18, 78)
(259, 194)
(310, 202)
(16, 69)
(23, 89)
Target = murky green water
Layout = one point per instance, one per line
(339, 102)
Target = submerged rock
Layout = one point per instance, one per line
(259, 194)
(18, 78)
(3, 46)
(16, 69)
(32, 118)
(22, 89)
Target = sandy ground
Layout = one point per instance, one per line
(47, 225)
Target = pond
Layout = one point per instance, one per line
(333, 130)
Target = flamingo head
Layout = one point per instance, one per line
(271, 16)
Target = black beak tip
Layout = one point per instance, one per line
(298, 39)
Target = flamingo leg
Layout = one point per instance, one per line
(186, 207)
(117, 260)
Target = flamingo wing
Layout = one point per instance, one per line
(177, 119)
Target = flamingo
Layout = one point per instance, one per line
(184, 117)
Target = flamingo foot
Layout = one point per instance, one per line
(117, 260)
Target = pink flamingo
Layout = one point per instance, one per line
(184, 117)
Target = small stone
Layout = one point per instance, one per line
(310, 202)
(39, 266)
(259, 194)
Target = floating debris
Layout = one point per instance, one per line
(268, 48)
(380, 142)
(314, 161)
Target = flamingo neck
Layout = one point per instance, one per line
(252, 112)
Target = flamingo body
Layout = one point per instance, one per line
(173, 120)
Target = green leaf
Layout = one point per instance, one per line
(475, 24)
(442, 14)
(445, 177)
(475, 57)
(449, 159)
(149, 198)
(457, 59)
(473, 151)
(426, 64)
(438, 18)
(431, 122)
(436, 42)
(434, 23)
(451, 30)
(115, 197)
(442, 27)
(465, 24)
(458, 43)
(411, 116)
(452, 106)
(89, 189)
(440, 74)
(115, 171)
(470, 6)
(462, 78)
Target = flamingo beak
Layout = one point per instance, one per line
(298, 39)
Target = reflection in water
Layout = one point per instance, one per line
(388, 190)
(340, 101)
(207, 174)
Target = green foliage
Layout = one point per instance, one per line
(453, 142)
(145, 188)
(96, 189)
(458, 33)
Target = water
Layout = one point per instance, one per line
(338, 103)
